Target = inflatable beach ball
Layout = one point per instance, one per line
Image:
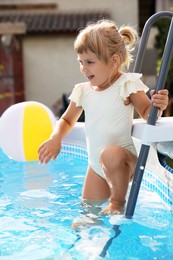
(23, 127)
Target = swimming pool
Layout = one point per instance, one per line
(38, 205)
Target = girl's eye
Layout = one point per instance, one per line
(90, 62)
(87, 62)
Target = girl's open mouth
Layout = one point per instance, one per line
(90, 77)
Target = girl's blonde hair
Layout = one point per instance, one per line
(105, 39)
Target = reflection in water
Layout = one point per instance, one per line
(39, 203)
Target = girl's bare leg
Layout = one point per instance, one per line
(95, 191)
(118, 164)
(95, 188)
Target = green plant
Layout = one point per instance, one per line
(163, 26)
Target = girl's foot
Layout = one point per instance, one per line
(113, 208)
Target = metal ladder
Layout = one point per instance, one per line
(166, 59)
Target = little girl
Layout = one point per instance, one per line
(108, 98)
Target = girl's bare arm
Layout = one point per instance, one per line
(52, 146)
(142, 103)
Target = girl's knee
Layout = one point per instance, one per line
(112, 156)
(117, 159)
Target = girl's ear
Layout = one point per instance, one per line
(115, 60)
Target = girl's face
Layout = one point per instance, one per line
(99, 73)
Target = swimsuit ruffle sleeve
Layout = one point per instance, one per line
(76, 95)
(131, 83)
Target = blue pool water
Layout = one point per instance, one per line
(39, 203)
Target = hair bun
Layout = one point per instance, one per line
(128, 35)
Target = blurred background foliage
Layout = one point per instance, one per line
(163, 27)
(160, 40)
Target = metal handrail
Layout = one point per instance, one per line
(152, 118)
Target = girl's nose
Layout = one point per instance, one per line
(83, 69)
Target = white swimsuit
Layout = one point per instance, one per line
(107, 120)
